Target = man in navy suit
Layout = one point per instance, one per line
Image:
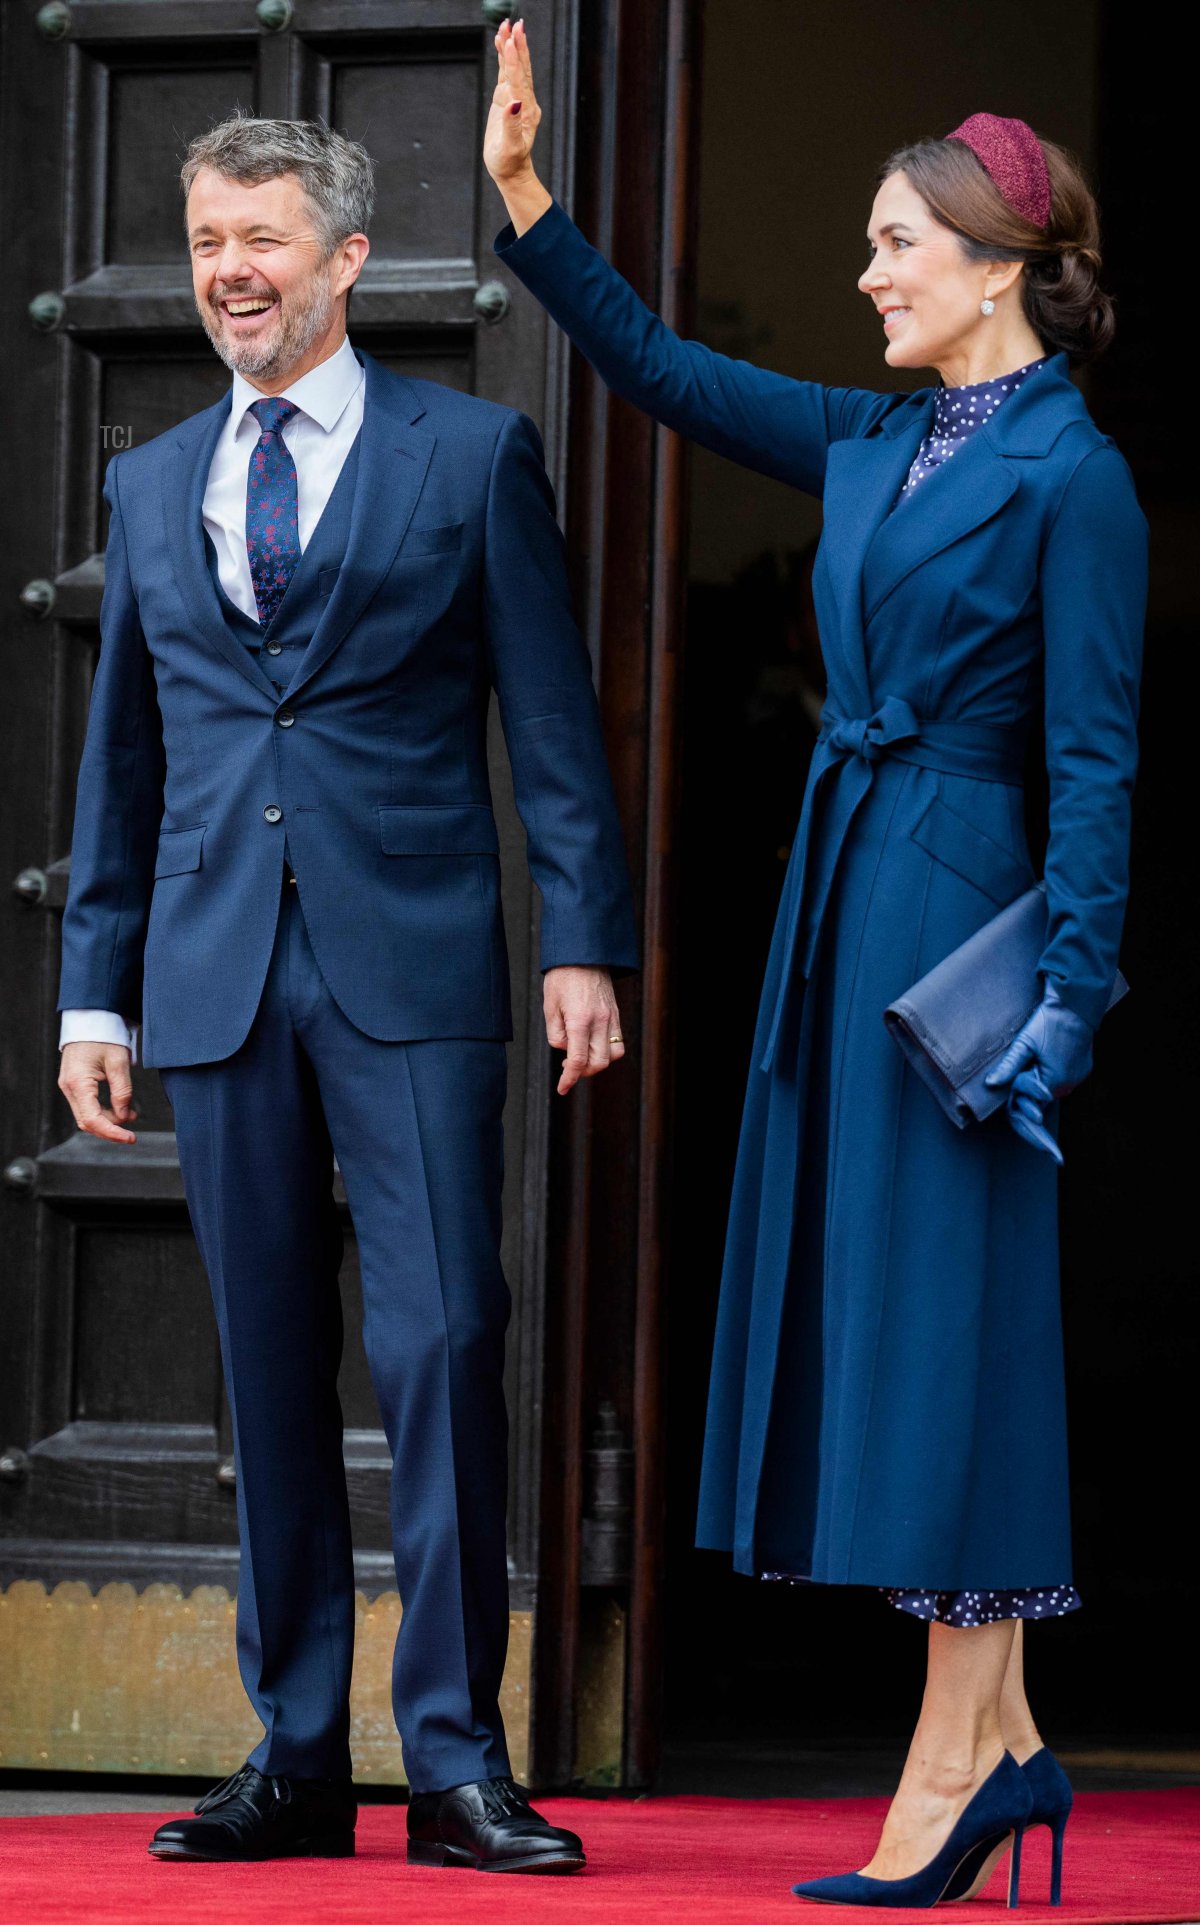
(285, 871)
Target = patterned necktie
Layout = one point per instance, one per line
(272, 526)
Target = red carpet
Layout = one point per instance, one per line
(1132, 1858)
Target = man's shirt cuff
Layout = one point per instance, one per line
(98, 1026)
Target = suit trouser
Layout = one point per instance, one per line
(416, 1129)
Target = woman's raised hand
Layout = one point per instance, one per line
(513, 122)
(512, 129)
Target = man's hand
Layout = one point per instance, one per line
(83, 1068)
(582, 1018)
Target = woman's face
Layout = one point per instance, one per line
(925, 290)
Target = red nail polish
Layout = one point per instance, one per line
(515, 108)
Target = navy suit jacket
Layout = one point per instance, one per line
(453, 582)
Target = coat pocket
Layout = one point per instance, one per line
(974, 856)
(437, 829)
(432, 541)
(178, 851)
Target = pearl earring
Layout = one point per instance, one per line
(987, 307)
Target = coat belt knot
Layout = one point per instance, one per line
(849, 747)
(871, 736)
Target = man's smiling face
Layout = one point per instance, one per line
(265, 290)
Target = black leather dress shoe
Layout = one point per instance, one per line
(488, 1827)
(249, 1817)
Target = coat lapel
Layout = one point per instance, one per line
(947, 507)
(867, 549)
(393, 459)
(985, 475)
(862, 479)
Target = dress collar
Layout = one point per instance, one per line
(1029, 423)
(959, 409)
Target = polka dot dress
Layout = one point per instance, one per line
(956, 412)
(965, 1609)
(986, 1607)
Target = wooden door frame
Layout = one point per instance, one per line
(609, 1168)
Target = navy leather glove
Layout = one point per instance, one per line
(1046, 1058)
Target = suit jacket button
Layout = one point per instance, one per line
(273, 812)
(285, 718)
(274, 648)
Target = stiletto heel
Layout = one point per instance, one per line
(1014, 1870)
(997, 1813)
(1057, 1828)
(1050, 1790)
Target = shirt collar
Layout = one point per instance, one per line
(322, 393)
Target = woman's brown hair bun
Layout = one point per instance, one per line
(1063, 300)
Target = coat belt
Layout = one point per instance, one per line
(847, 750)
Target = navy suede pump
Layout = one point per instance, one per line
(999, 1810)
(1052, 1800)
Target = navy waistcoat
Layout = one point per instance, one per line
(282, 642)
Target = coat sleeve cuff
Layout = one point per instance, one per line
(1082, 999)
(614, 969)
(537, 243)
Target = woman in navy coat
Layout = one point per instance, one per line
(887, 1400)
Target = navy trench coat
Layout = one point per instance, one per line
(887, 1399)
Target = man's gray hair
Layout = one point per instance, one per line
(337, 175)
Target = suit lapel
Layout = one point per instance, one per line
(183, 519)
(393, 458)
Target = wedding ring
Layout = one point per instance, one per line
(616, 1039)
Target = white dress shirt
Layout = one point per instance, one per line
(330, 399)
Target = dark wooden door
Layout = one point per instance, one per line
(117, 1520)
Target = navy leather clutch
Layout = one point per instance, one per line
(959, 1019)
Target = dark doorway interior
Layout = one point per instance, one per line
(764, 1680)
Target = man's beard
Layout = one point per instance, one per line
(298, 323)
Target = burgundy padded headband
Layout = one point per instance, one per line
(1012, 154)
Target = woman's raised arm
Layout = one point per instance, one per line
(766, 421)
